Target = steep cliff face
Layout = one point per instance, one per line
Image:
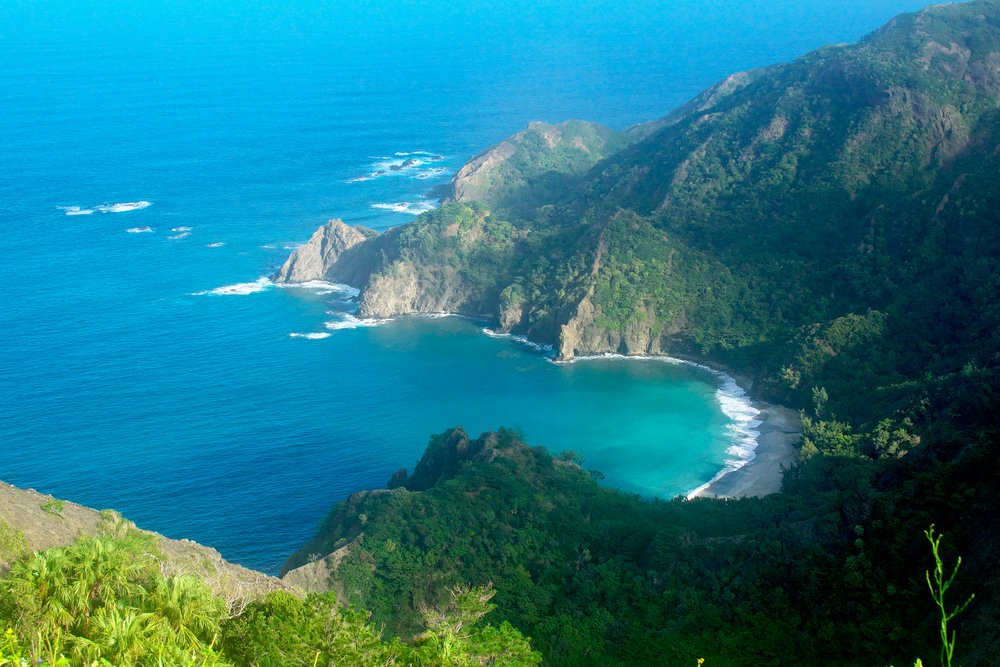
(315, 259)
(400, 289)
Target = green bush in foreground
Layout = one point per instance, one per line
(103, 601)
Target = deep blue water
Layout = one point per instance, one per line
(198, 415)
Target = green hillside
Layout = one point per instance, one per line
(827, 226)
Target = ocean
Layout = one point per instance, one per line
(161, 159)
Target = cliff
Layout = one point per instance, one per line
(317, 258)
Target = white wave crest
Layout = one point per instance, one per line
(323, 287)
(180, 230)
(75, 210)
(349, 321)
(432, 157)
(139, 230)
(430, 173)
(401, 163)
(523, 340)
(311, 336)
(239, 289)
(123, 207)
(182, 235)
(412, 208)
(217, 244)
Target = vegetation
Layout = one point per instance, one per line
(828, 227)
(104, 601)
(829, 572)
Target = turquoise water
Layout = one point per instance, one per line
(126, 383)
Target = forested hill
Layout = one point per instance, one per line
(849, 192)
(829, 226)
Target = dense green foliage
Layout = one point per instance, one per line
(534, 166)
(827, 226)
(830, 572)
(104, 601)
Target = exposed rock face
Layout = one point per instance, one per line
(582, 334)
(393, 292)
(46, 522)
(401, 290)
(314, 260)
(317, 576)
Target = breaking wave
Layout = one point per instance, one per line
(403, 163)
(75, 210)
(311, 336)
(123, 207)
(548, 350)
(411, 208)
(239, 289)
(139, 230)
(322, 287)
(348, 321)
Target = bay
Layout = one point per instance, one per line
(126, 383)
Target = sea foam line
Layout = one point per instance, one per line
(323, 287)
(120, 207)
(412, 208)
(403, 163)
(239, 289)
(311, 336)
(523, 340)
(348, 321)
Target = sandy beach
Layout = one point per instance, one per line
(780, 428)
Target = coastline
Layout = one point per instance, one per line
(773, 429)
(779, 430)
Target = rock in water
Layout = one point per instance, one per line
(313, 260)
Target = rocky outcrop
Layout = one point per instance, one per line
(318, 575)
(402, 289)
(583, 334)
(314, 260)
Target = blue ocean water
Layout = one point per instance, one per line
(126, 382)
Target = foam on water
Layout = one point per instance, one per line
(182, 235)
(180, 230)
(139, 230)
(742, 429)
(217, 244)
(430, 173)
(402, 163)
(75, 210)
(323, 287)
(411, 208)
(311, 336)
(348, 321)
(123, 207)
(547, 350)
(238, 289)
